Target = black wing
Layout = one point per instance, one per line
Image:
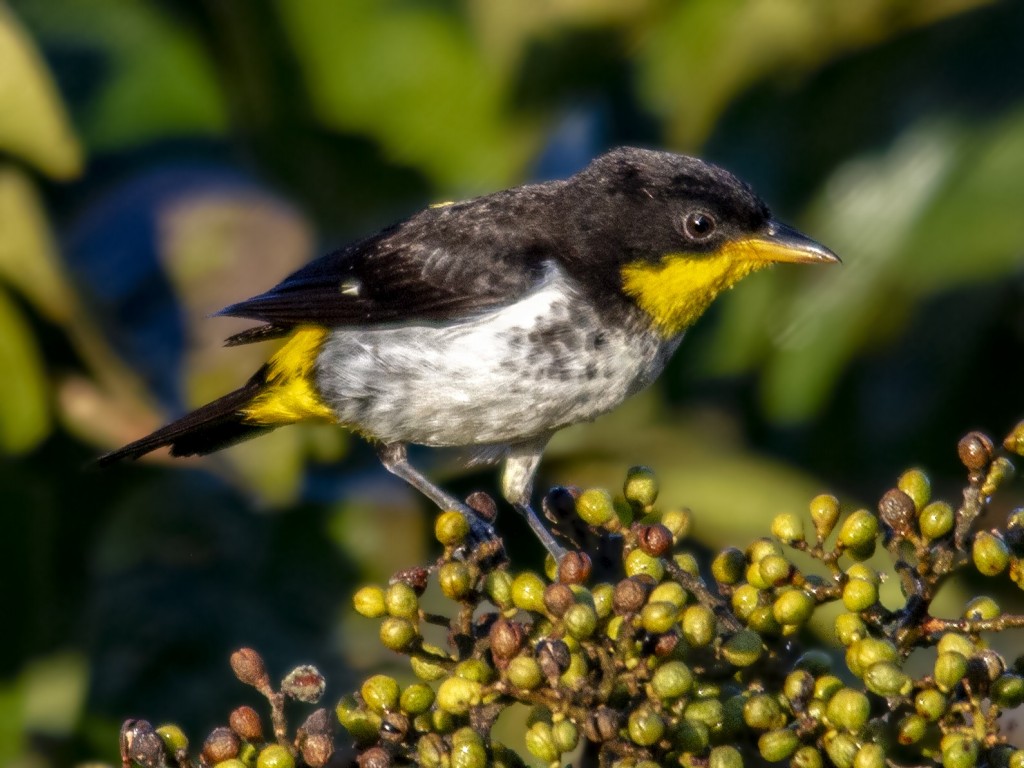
(443, 263)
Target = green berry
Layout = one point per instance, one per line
(841, 749)
(774, 569)
(849, 709)
(762, 712)
(369, 602)
(397, 634)
(917, 486)
(743, 648)
(827, 686)
(679, 522)
(275, 756)
(1008, 690)
(565, 735)
(524, 672)
(668, 592)
(658, 618)
(671, 680)
(982, 608)
(959, 751)
(788, 528)
(699, 625)
(400, 600)
(859, 595)
(990, 553)
(468, 754)
(936, 520)
(451, 528)
(640, 563)
(455, 579)
(456, 695)
(725, 757)
(645, 727)
(745, 600)
(850, 628)
(887, 679)
(381, 693)
(930, 704)
(580, 621)
(173, 737)
(950, 668)
(793, 607)
(595, 506)
(806, 757)
(858, 534)
(641, 487)
(778, 744)
(728, 566)
(824, 514)
(498, 586)
(476, 670)
(870, 756)
(528, 592)
(416, 699)
(540, 742)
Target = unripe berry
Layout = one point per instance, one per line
(658, 617)
(580, 621)
(528, 592)
(456, 695)
(1008, 690)
(887, 679)
(982, 608)
(793, 607)
(950, 669)
(762, 712)
(595, 506)
(498, 586)
(849, 709)
(990, 553)
(645, 727)
(858, 534)
(778, 744)
(641, 487)
(400, 600)
(859, 595)
(725, 757)
(936, 520)
(841, 749)
(451, 528)
(806, 757)
(728, 566)
(173, 737)
(850, 628)
(788, 528)
(455, 579)
(671, 680)
(524, 672)
(679, 522)
(743, 648)
(540, 742)
(565, 735)
(397, 634)
(915, 483)
(275, 756)
(699, 625)
(640, 563)
(369, 602)
(380, 693)
(959, 751)
(870, 756)
(824, 514)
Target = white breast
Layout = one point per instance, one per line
(511, 374)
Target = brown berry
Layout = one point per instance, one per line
(221, 744)
(975, 450)
(655, 540)
(375, 757)
(414, 577)
(897, 510)
(483, 505)
(249, 668)
(575, 568)
(246, 723)
(506, 638)
(558, 598)
(304, 683)
(629, 596)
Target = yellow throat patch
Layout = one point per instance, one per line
(677, 290)
(290, 394)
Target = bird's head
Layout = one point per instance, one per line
(673, 231)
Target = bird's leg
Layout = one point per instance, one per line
(517, 488)
(395, 458)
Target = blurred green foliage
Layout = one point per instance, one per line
(161, 159)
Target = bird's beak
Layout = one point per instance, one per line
(782, 244)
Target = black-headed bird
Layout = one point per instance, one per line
(490, 324)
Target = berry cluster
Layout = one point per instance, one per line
(631, 657)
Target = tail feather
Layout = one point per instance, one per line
(214, 426)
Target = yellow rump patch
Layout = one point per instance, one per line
(290, 394)
(677, 290)
(444, 204)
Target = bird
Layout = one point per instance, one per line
(488, 325)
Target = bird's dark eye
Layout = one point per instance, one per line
(698, 225)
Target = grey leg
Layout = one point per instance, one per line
(395, 459)
(517, 487)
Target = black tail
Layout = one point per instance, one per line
(214, 426)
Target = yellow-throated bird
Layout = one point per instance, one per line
(490, 324)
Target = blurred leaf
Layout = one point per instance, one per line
(412, 77)
(699, 55)
(55, 689)
(158, 81)
(24, 389)
(28, 259)
(12, 734)
(34, 125)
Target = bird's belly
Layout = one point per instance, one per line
(511, 375)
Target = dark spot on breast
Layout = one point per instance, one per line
(591, 371)
(596, 340)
